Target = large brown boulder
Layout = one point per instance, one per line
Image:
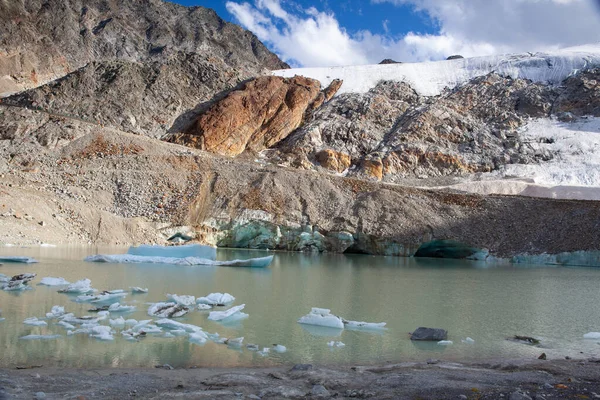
(265, 111)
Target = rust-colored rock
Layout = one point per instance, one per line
(332, 89)
(265, 111)
(372, 168)
(333, 160)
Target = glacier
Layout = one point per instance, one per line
(260, 262)
(431, 78)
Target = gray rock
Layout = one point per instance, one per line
(40, 395)
(432, 334)
(302, 367)
(319, 391)
(518, 396)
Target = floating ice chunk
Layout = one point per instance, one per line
(80, 287)
(592, 335)
(33, 321)
(18, 282)
(118, 308)
(204, 307)
(108, 296)
(55, 312)
(102, 332)
(140, 325)
(279, 348)
(198, 337)
(235, 342)
(216, 299)
(40, 337)
(51, 281)
(72, 319)
(174, 325)
(445, 342)
(16, 259)
(358, 325)
(190, 250)
(4, 278)
(168, 335)
(335, 344)
(167, 310)
(234, 313)
(2, 319)
(117, 323)
(130, 322)
(468, 340)
(47, 245)
(151, 329)
(322, 317)
(261, 262)
(178, 332)
(137, 290)
(215, 337)
(66, 325)
(184, 300)
(264, 352)
(252, 347)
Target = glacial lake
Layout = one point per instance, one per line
(470, 299)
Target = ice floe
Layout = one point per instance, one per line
(232, 314)
(137, 290)
(216, 299)
(174, 325)
(184, 251)
(52, 281)
(358, 325)
(592, 335)
(66, 325)
(107, 296)
(167, 310)
(34, 321)
(260, 262)
(102, 332)
(264, 352)
(468, 340)
(18, 259)
(118, 308)
(322, 317)
(184, 300)
(82, 286)
(18, 282)
(117, 323)
(445, 342)
(278, 348)
(204, 307)
(198, 337)
(252, 347)
(40, 337)
(335, 344)
(55, 312)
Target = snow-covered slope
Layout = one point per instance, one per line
(430, 78)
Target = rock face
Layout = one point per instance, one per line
(44, 40)
(258, 116)
(391, 133)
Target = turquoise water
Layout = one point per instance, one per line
(485, 302)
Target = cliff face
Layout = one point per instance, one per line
(44, 40)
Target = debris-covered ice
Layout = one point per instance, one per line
(233, 314)
(592, 335)
(82, 286)
(358, 325)
(18, 259)
(138, 290)
(52, 281)
(34, 321)
(322, 317)
(216, 299)
(167, 310)
(18, 282)
(190, 250)
(108, 296)
(184, 300)
(40, 337)
(260, 262)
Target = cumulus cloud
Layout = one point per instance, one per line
(309, 37)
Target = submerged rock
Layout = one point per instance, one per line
(430, 334)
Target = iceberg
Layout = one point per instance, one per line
(33, 321)
(216, 299)
(261, 262)
(279, 348)
(592, 335)
(51, 281)
(174, 325)
(118, 308)
(102, 332)
(17, 282)
(137, 290)
(108, 296)
(356, 325)
(468, 340)
(167, 310)
(184, 251)
(445, 342)
(117, 323)
(204, 307)
(66, 325)
(235, 342)
(40, 337)
(55, 312)
(233, 314)
(16, 286)
(16, 259)
(184, 300)
(198, 337)
(80, 287)
(322, 317)
(335, 344)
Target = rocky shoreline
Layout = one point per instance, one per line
(434, 379)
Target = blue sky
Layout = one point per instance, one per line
(316, 33)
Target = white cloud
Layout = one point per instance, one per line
(468, 27)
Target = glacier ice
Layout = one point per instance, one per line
(18, 259)
(80, 287)
(117, 323)
(322, 317)
(358, 325)
(335, 344)
(18, 282)
(261, 262)
(279, 348)
(136, 290)
(198, 337)
(102, 332)
(183, 251)
(216, 299)
(232, 314)
(108, 296)
(167, 310)
(52, 281)
(445, 342)
(66, 325)
(118, 308)
(204, 307)
(235, 342)
(592, 335)
(184, 300)
(468, 340)
(34, 321)
(174, 325)
(55, 312)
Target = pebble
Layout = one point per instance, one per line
(518, 396)
(40, 395)
(319, 390)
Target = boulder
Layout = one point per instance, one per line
(429, 334)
